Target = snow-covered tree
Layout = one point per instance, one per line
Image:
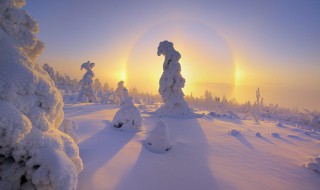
(87, 93)
(97, 86)
(49, 70)
(119, 92)
(171, 84)
(34, 154)
(258, 95)
(106, 87)
(128, 117)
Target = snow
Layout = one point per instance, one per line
(119, 92)
(87, 93)
(34, 154)
(204, 155)
(171, 84)
(128, 117)
(158, 140)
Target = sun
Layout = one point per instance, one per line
(123, 75)
(238, 75)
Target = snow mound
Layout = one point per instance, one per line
(313, 166)
(317, 159)
(275, 135)
(128, 117)
(258, 134)
(279, 124)
(34, 154)
(158, 140)
(234, 132)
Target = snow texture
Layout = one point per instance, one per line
(87, 93)
(158, 140)
(128, 117)
(204, 154)
(69, 127)
(34, 154)
(171, 84)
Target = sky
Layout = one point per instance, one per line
(228, 47)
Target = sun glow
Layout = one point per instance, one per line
(123, 75)
(238, 75)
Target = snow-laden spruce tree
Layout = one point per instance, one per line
(119, 92)
(171, 84)
(34, 154)
(87, 93)
(128, 117)
(97, 86)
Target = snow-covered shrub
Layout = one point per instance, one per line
(34, 154)
(128, 117)
(314, 165)
(228, 115)
(171, 84)
(87, 93)
(158, 140)
(97, 86)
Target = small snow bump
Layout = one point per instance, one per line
(306, 133)
(258, 134)
(234, 132)
(317, 159)
(279, 124)
(313, 166)
(275, 135)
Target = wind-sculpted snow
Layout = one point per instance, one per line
(34, 154)
(87, 93)
(171, 84)
(128, 117)
(20, 26)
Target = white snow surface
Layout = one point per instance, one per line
(204, 155)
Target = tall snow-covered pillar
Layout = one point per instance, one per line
(171, 84)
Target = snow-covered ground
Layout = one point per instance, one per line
(206, 153)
